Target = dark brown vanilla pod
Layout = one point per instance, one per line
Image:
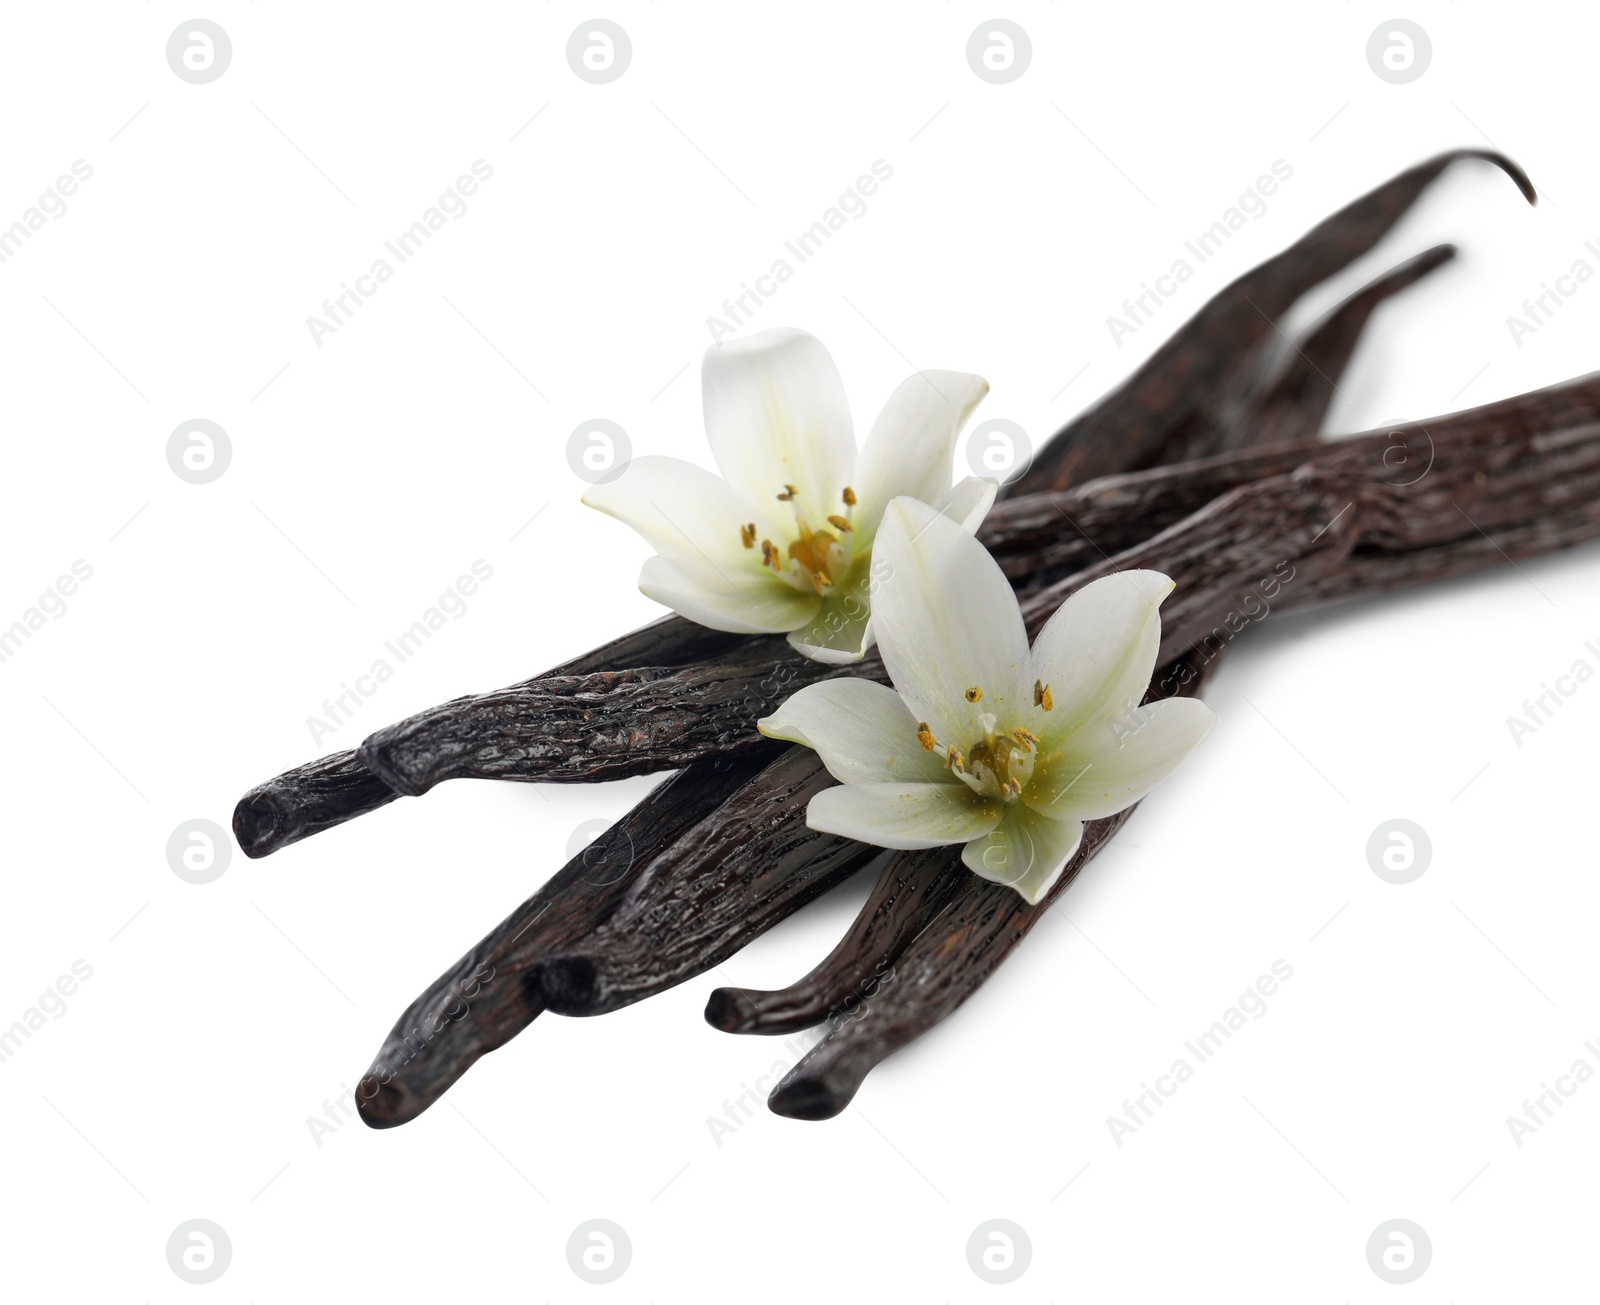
(1040, 538)
(492, 993)
(1183, 396)
(305, 801)
(745, 868)
(1292, 406)
(599, 726)
(911, 890)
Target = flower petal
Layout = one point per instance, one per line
(967, 502)
(913, 443)
(685, 513)
(744, 604)
(1098, 651)
(842, 630)
(903, 815)
(1111, 764)
(861, 730)
(946, 621)
(776, 414)
(1025, 851)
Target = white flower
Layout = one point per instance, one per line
(983, 741)
(783, 541)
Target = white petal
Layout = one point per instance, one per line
(1098, 651)
(967, 502)
(1025, 851)
(685, 512)
(1111, 764)
(776, 414)
(744, 604)
(913, 443)
(841, 632)
(861, 730)
(946, 622)
(903, 815)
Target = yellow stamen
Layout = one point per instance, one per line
(747, 536)
(1027, 738)
(954, 759)
(975, 693)
(788, 495)
(849, 497)
(925, 737)
(1041, 695)
(839, 523)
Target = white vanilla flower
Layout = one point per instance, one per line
(782, 542)
(983, 741)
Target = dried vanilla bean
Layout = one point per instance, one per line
(1178, 404)
(305, 801)
(492, 993)
(751, 864)
(340, 786)
(911, 890)
(1292, 407)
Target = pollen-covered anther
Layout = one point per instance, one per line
(788, 495)
(925, 737)
(849, 496)
(747, 536)
(839, 523)
(954, 759)
(1027, 738)
(975, 693)
(1041, 695)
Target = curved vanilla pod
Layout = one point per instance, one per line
(1176, 405)
(749, 865)
(340, 786)
(911, 890)
(492, 993)
(1292, 406)
(305, 801)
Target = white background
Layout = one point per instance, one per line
(369, 471)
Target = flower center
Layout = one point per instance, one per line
(816, 558)
(999, 764)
